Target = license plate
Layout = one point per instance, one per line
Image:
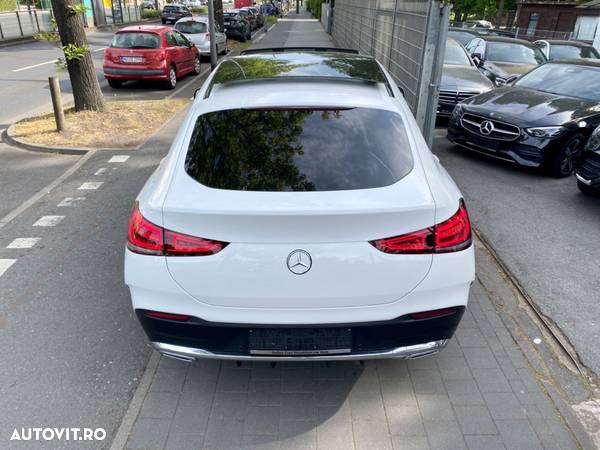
(299, 341)
(132, 59)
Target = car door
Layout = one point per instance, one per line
(221, 37)
(175, 52)
(186, 51)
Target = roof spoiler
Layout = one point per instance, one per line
(253, 51)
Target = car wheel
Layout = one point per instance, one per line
(563, 163)
(172, 79)
(588, 190)
(115, 84)
(197, 67)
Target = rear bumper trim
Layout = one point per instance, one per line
(583, 180)
(137, 72)
(406, 352)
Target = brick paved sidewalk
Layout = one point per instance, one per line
(479, 393)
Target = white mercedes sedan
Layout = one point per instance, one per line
(299, 214)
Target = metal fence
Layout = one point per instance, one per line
(20, 24)
(406, 36)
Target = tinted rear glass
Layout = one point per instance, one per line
(299, 150)
(572, 52)
(191, 27)
(516, 53)
(136, 40)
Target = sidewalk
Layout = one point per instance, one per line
(481, 392)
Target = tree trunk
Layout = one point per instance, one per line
(500, 13)
(86, 89)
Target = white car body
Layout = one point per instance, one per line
(202, 40)
(350, 281)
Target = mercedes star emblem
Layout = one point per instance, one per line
(299, 262)
(486, 127)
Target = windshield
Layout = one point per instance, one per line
(456, 55)
(299, 149)
(136, 40)
(572, 52)
(571, 80)
(461, 36)
(515, 53)
(191, 27)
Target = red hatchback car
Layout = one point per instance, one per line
(149, 52)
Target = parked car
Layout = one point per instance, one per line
(260, 19)
(149, 52)
(588, 172)
(502, 59)
(196, 30)
(236, 27)
(282, 237)
(148, 5)
(478, 24)
(462, 35)
(543, 120)
(247, 16)
(561, 50)
(460, 78)
(172, 13)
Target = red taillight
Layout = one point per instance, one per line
(451, 235)
(168, 316)
(434, 313)
(146, 238)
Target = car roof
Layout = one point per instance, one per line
(578, 62)
(145, 28)
(506, 39)
(203, 19)
(565, 42)
(465, 30)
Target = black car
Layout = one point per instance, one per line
(236, 27)
(172, 13)
(502, 59)
(248, 17)
(462, 35)
(561, 50)
(588, 172)
(542, 120)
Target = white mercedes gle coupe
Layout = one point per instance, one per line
(299, 214)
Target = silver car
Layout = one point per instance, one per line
(460, 78)
(196, 30)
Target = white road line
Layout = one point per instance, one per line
(70, 201)
(48, 221)
(90, 185)
(118, 159)
(5, 264)
(100, 171)
(23, 243)
(35, 65)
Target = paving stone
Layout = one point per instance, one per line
(262, 420)
(225, 434)
(491, 380)
(405, 421)
(184, 441)
(427, 382)
(300, 380)
(264, 392)
(392, 369)
(421, 364)
(264, 371)
(367, 382)
(410, 443)
(553, 434)
(172, 364)
(334, 429)
(190, 419)
(504, 406)
(233, 380)
(454, 368)
(475, 420)
(149, 434)
(298, 407)
(480, 358)
(484, 443)
(257, 442)
(371, 435)
(518, 435)
(444, 435)
(398, 392)
(168, 380)
(367, 406)
(332, 392)
(452, 348)
(464, 392)
(229, 405)
(159, 405)
(529, 380)
(470, 337)
(338, 370)
(435, 407)
(297, 434)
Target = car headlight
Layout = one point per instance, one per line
(545, 132)
(457, 112)
(593, 144)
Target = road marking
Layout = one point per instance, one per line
(99, 49)
(23, 243)
(35, 65)
(48, 221)
(70, 201)
(90, 186)
(100, 171)
(118, 159)
(5, 264)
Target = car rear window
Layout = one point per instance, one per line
(135, 40)
(298, 149)
(191, 27)
(170, 8)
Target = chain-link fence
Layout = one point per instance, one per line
(407, 37)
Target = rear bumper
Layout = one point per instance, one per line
(135, 74)
(403, 337)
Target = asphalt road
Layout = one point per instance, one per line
(545, 231)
